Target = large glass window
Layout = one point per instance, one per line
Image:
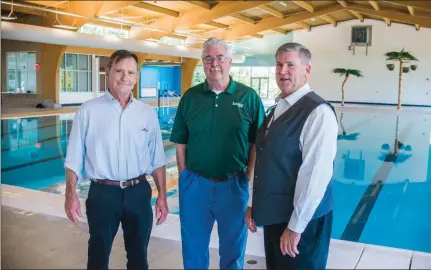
(199, 76)
(261, 79)
(21, 72)
(75, 73)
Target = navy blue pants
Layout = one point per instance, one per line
(203, 201)
(313, 246)
(106, 207)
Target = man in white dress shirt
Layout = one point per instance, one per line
(116, 140)
(291, 193)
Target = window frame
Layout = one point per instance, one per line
(76, 71)
(27, 70)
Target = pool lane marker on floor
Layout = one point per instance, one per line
(359, 218)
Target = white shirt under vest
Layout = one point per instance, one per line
(318, 143)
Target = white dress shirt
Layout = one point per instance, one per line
(318, 143)
(112, 143)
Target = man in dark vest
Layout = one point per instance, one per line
(292, 186)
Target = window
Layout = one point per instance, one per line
(199, 76)
(75, 73)
(261, 79)
(21, 72)
(103, 30)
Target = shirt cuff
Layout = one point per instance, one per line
(297, 225)
(75, 169)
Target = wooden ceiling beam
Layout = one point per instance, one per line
(357, 15)
(200, 4)
(393, 15)
(217, 25)
(280, 31)
(106, 7)
(257, 35)
(199, 16)
(241, 30)
(374, 5)
(272, 11)
(412, 12)
(343, 3)
(329, 19)
(416, 4)
(304, 25)
(243, 18)
(157, 9)
(304, 5)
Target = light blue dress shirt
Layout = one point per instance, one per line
(110, 143)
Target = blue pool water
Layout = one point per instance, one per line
(382, 173)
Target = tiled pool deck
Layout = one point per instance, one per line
(18, 202)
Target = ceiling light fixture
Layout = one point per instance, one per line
(57, 24)
(11, 15)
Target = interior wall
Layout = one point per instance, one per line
(187, 72)
(161, 77)
(329, 49)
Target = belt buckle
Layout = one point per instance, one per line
(121, 184)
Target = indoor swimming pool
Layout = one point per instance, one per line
(382, 173)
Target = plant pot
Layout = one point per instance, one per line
(390, 66)
(414, 67)
(406, 69)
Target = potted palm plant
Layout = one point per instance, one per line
(346, 73)
(404, 59)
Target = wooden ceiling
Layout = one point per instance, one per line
(195, 21)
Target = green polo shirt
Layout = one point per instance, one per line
(217, 129)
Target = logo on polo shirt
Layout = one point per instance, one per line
(237, 104)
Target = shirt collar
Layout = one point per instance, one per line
(230, 88)
(297, 95)
(111, 98)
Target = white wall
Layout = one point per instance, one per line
(329, 49)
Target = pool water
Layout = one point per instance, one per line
(382, 173)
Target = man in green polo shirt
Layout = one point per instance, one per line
(215, 130)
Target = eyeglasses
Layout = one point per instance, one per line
(220, 58)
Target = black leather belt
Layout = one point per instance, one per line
(121, 183)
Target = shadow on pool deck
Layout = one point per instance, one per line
(31, 241)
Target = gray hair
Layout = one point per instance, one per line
(304, 53)
(217, 42)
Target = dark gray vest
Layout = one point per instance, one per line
(278, 159)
